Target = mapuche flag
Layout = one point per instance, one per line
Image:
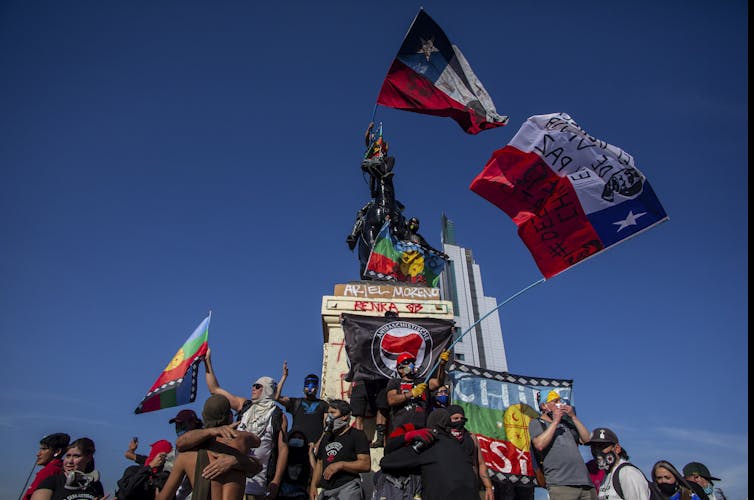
(431, 76)
(570, 194)
(373, 344)
(403, 261)
(499, 407)
(177, 384)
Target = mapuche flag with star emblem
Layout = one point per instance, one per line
(177, 384)
(431, 76)
(570, 194)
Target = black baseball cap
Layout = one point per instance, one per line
(602, 435)
(698, 468)
(184, 416)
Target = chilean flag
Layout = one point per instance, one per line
(431, 76)
(570, 194)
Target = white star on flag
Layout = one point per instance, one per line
(427, 48)
(630, 220)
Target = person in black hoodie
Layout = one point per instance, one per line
(447, 470)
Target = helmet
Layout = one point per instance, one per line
(405, 356)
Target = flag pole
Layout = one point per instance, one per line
(23, 490)
(530, 286)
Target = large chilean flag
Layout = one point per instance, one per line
(570, 194)
(431, 76)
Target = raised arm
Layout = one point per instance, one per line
(283, 400)
(584, 433)
(236, 402)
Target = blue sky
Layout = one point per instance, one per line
(160, 159)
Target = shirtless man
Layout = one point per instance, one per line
(226, 449)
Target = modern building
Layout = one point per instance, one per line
(461, 284)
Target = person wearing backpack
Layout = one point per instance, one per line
(622, 480)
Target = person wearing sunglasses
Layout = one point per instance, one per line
(262, 416)
(407, 396)
(307, 413)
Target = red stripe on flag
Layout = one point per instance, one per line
(382, 264)
(405, 89)
(544, 206)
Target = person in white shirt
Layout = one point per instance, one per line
(630, 482)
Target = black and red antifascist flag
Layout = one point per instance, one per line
(373, 344)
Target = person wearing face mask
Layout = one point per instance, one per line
(298, 471)
(698, 474)
(342, 454)
(79, 479)
(50, 457)
(470, 446)
(555, 438)
(262, 416)
(307, 413)
(671, 484)
(622, 478)
(441, 397)
(407, 396)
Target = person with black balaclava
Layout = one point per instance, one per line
(470, 446)
(307, 413)
(447, 471)
(671, 483)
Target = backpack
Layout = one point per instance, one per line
(654, 490)
(139, 483)
(390, 487)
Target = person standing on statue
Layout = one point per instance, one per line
(308, 413)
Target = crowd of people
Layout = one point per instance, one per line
(244, 448)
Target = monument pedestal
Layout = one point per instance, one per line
(368, 298)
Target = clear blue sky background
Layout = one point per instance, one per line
(160, 159)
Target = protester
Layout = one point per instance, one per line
(622, 478)
(343, 454)
(307, 413)
(447, 471)
(184, 421)
(470, 446)
(79, 480)
(51, 449)
(368, 400)
(215, 458)
(556, 436)
(670, 482)
(298, 471)
(261, 416)
(441, 397)
(142, 482)
(699, 473)
(407, 396)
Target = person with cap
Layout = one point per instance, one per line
(141, 482)
(447, 471)
(50, 457)
(622, 478)
(698, 473)
(555, 437)
(342, 454)
(184, 421)
(671, 484)
(307, 413)
(470, 445)
(407, 396)
(262, 416)
(215, 458)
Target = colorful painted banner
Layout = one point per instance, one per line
(499, 407)
(431, 76)
(571, 195)
(177, 384)
(403, 261)
(373, 344)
